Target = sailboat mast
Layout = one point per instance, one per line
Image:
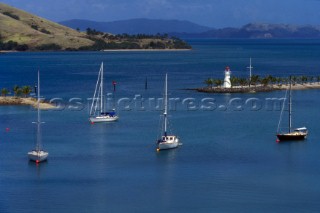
(250, 69)
(250, 72)
(165, 104)
(38, 145)
(146, 84)
(290, 106)
(101, 92)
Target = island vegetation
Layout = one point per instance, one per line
(23, 91)
(20, 95)
(107, 41)
(260, 84)
(32, 33)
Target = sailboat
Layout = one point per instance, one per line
(166, 141)
(97, 111)
(38, 154)
(295, 134)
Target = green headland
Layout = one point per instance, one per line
(22, 31)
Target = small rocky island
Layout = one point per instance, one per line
(21, 96)
(255, 83)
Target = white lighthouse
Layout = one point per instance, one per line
(227, 73)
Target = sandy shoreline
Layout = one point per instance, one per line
(24, 101)
(8, 51)
(144, 50)
(314, 85)
(112, 50)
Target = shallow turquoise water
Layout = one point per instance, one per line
(229, 161)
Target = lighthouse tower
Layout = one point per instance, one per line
(227, 73)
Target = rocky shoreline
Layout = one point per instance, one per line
(257, 88)
(25, 101)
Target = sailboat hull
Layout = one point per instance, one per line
(291, 137)
(38, 156)
(165, 145)
(103, 119)
(168, 144)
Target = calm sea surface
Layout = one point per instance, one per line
(229, 160)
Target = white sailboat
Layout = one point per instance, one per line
(166, 141)
(97, 111)
(38, 154)
(295, 134)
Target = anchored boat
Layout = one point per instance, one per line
(98, 107)
(167, 141)
(38, 154)
(295, 134)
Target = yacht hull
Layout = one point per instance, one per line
(289, 137)
(163, 145)
(38, 156)
(103, 119)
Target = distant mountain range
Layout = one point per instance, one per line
(258, 31)
(186, 29)
(138, 26)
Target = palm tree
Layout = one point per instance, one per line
(294, 80)
(285, 80)
(19, 92)
(265, 81)
(254, 79)
(269, 77)
(209, 82)
(26, 90)
(243, 82)
(218, 82)
(279, 82)
(4, 92)
(16, 88)
(273, 79)
(304, 79)
(311, 79)
(234, 81)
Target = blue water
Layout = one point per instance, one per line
(229, 160)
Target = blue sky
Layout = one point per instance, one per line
(212, 13)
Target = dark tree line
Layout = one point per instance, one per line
(128, 41)
(90, 31)
(12, 45)
(17, 91)
(264, 81)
